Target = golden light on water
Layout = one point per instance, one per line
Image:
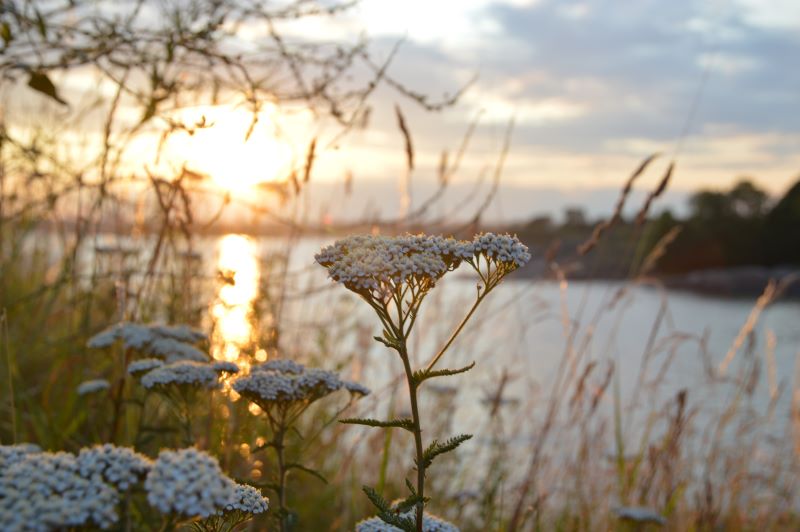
(223, 151)
(238, 264)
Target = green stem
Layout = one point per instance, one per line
(412, 392)
(458, 329)
(10, 366)
(283, 511)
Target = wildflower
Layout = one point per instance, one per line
(45, 491)
(172, 350)
(185, 372)
(280, 381)
(144, 365)
(376, 266)
(188, 482)
(504, 249)
(119, 466)
(223, 366)
(282, 365)
(170, 342)
(430, 523)
(92, 386)
(639, 514)
(247, 499)
(11, 454)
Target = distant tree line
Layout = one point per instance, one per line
(742, 226)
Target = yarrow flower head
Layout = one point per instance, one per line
(246, 499)
(188, 482)
(92, 386)
(284, 381)
(501, 249)
(169, 342)
(45, 491)
(11, 454)
(377, 266)
(119, 466)
(183, 373)
(640, 515)
(143, 365)
(223, 366)
(430, 523)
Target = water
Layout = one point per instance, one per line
(534, 331)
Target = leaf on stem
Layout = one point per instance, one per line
(436, 448)
(422, 375)
(308, 470)
(386, 513)
(402, 423)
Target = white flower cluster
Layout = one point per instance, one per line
(367, 264)
(188, 482)
(186, 372)
(430, 523)
(144, 365)
(223, 366)
(281, 365)
(170, 342)
(247, 499)
(286, 381)
(92, 386)
(11, 454)
(119, 466)
(45, 491)
(501, 248)
(53, 491)
(377, 263)
(639, 514)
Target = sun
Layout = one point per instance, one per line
(223, 151)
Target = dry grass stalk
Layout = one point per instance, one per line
(659, 250)
(662, 186)
(604, 226)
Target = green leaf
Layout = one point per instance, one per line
(41, 83)
(308, 470)
(436, 448)
(402, 423)
(5, 33)
(386, 513)
(423, 375)
(40, 24)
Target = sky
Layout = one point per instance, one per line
(593, 87)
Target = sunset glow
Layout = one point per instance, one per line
(222, 150)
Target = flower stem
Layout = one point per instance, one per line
(283, 511)
(457, 331)
(412, 392)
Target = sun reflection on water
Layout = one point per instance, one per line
(239, 273)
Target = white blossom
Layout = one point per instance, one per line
(367, 263)
(184, 372)
(639, 515)
(143, 365)
(224, 366)
(92, 386)
(181, 333)
(11, 454)
(430, 523)
(506, 249)
(119, 466)
(170, 342)
(45, 491)
(285, 381)
(247, 499)
(172, 350)
(281, 365)
(188, 482)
